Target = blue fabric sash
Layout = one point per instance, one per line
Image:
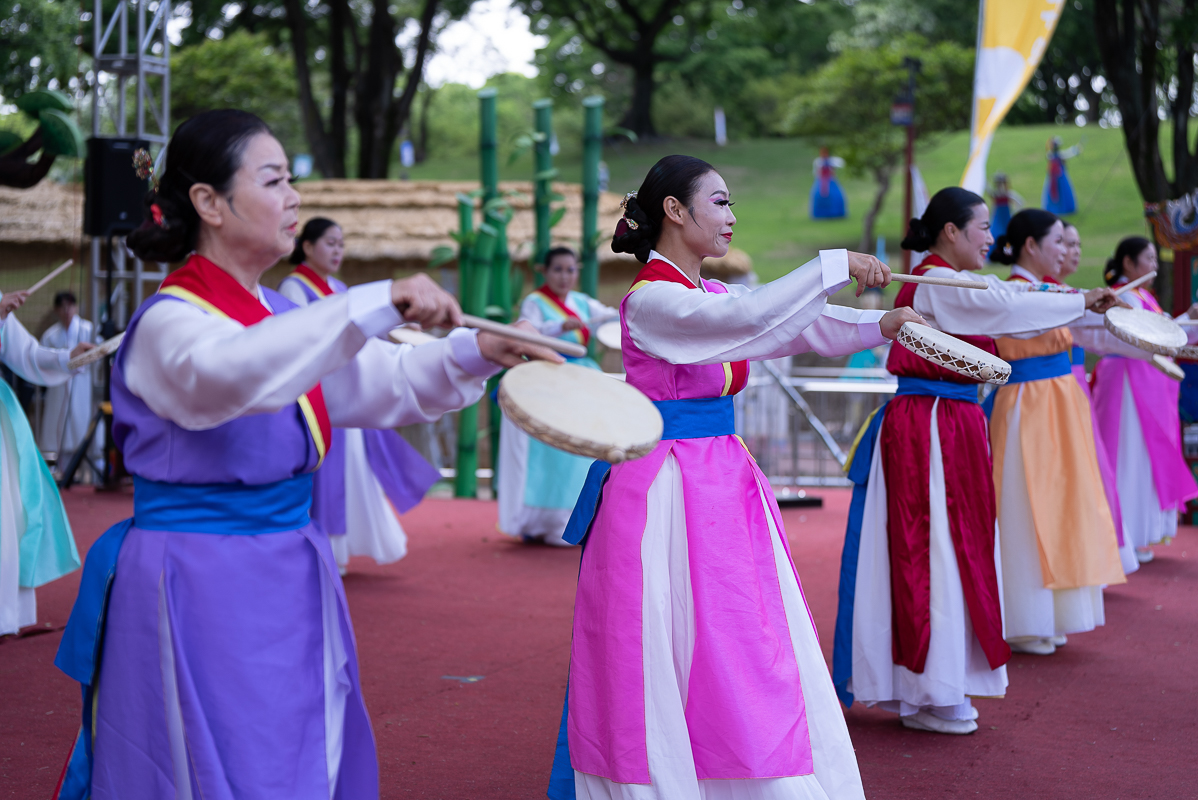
(1040, 368)
(697, 418)
(965, 392)
(858, 472)
(1077, 356)
(227, 509)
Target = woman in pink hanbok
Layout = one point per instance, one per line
(695, 667)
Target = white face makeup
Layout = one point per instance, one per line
(562, 274)
(1145, 262)
(1045, 257)
(1073, 252)
(970, 245)
(324, 255)
(707, 223)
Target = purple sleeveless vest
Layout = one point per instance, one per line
(253, 449)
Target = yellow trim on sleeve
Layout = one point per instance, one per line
(304, 403)
(193, 298)
(306, 281)
(727, 379)
(638, 285)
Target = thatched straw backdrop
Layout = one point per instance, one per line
(391, 227)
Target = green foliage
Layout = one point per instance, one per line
(242, 70)
(1070, 83)
(847, 101)
(32, 103)
(38, 45)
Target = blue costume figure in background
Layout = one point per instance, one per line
(1003, 197)
(827, 201)
(1058, 192)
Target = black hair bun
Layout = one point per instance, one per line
(919, 236)
(1004, 251)
(635, 232)
(170, 240)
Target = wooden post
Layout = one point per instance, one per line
(592, 152)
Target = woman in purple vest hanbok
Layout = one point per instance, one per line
(370, 476)
(214, 619)
(695, 669)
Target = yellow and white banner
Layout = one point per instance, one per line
(1012, 38)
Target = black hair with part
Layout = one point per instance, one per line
(64, 297)
(205, 149)
(1030, 222)
(1131, 247)
(555, 252)
(312, 231)
(950, 204)
(673, 176)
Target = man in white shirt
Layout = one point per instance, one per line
(68, 406)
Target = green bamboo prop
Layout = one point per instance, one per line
(488, 144)
(592, 151)
(465, 483)
(475, 283)
(543, 181)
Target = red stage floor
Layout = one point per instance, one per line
(1113, 715)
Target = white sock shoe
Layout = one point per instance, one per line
(1144, 555)
(1035, 647)
(927, 721)
(1059, 641)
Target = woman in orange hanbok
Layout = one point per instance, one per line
(1059, 546)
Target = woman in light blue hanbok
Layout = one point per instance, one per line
(538, 485)
(36, 544)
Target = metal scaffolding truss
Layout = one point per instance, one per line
(131, 45)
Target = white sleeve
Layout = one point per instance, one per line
(530, 311)
(600, 313)
(293, 291)
(1191, 330)
(201, 371)
(684, 326)
(999, 311)
(46, 366)
(1097, 339)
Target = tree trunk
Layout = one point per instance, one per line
(639, 117)
(15, 169)
(402, 106)
(421, 143)
(1130, 63)
(882, 175)
(375, 93)
(340, 19)
(314, 130)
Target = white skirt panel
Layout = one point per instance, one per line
(1144, 523)
(956, 667)
(515, 518)
(668, 634)
(371, 525)
(1029, 609)
(18, 604)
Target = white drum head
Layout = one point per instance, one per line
(580, 410)
(406, 335)
(1146, 330)
(1169, 367)
(953, 354)
(608, 335)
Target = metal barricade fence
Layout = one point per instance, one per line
(800, 424)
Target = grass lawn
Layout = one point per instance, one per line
(770, 180)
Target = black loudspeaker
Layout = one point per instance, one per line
(113, 194)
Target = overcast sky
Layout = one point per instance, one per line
(491, 39)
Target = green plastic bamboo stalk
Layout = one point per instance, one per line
(592, 152)
(543, 183)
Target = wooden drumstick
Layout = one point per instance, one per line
(65, 265)
(1136, 284)
(105, 348)
(507, 331)
(958, 283)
